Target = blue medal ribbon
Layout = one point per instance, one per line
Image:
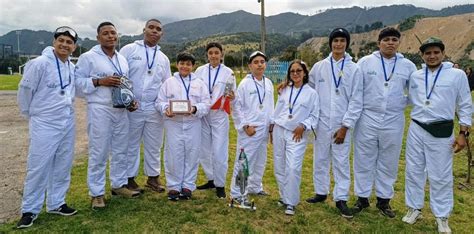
(290, 108)
(186, 88)
(59, 72)
(147, 59)
(260, 100)
(338, 82)
(428, 95)
(118, 69)
(215, 78)
(385, 72)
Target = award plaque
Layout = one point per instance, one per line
(180, 106)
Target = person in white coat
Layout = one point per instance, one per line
(183, 131)
(214, 154)
(252, 113)
(437, 91)
(378, 133)
(149, 67)
(296, 114)
(338, 82)
(97, 71)
(46, 97)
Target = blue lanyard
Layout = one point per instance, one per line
(215, 78)
(384, 72)
(290, 108)
(118, 69)
(59, 72)
(147, 59)
(428, 95)
(260, 100)
(186, 88)
(338, 82)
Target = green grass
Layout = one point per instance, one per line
(9, 82)
(152, 212)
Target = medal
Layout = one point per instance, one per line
(337, 91)
(62, 85)
(149, 72)
(211, 86)
(290, 116)
(385, 72)
(386, 84)
(260, 99)
(338, 81)
(428, 94)
(260, 106)
(427, 102)
(290, 104)
(62, 92)
(148, 60)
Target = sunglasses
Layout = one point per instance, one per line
(66, 30)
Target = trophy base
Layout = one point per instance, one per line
(242, 204)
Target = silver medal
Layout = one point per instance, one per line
(290, 116)
(149, 72)
(260, 106)
(337, 91)
(62, 92)
(386, 84)
(427, 102)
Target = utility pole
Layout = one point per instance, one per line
(262, 25)
(18, 32)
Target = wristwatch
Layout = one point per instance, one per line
(465, 133)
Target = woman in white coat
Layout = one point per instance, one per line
(296, 112)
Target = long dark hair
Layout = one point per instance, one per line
(288, 81)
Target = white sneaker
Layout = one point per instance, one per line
(411, 216)
(290, 210)
(443, 226)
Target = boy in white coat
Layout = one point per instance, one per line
(183, 131)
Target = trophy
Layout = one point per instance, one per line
(122, 95)
(241, 180)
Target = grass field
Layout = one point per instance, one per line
(152, 212)
(9, 82)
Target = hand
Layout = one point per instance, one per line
(133, 107)
(110, 81)
(168, 113)
(340, 135)
(231, 95)
(298, 133)
(250, 130)
(459, 143)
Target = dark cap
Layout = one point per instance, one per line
(339, 32)
(66, 31)
(255, 54)
(432, 41)
(389, 32)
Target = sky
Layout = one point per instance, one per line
(129, 16)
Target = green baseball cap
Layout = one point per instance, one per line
(432, 41)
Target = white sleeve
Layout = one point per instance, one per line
(312, 121)
(202, 108)
(162, 103)
(237, 113)
(355, 101)
(312, 76)
(83, 80)
(464, 101)
(28, 86)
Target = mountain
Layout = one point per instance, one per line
(457, 33)
(290, 24)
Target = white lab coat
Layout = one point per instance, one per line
(146, 123)
(183, 132)
(214, 153)
(247, 112)
(336, 110)
(378, 133)
(428, 156)
(107, 126)
(51, 128)
(288, 154)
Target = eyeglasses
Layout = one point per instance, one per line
(297, 71)
(66, 30)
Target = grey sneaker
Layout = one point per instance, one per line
(412, 216)
(443, 226)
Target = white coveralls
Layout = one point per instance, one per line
(214, 152)
(247, 112)
(146, 123)
(183, 132)
(288, 154)
(428, 156)
(51, 128)
(378, 133)
(107, 127)
(336, 110)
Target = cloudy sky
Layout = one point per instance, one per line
(130, 15)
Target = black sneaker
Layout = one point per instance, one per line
(345, 211)
(173, 195)
(362, 203)
(384, 206)
(63, 210)
(208, 185)
(280, 203)
(317, 198)
(220, 192)
(185, 194)
(26, 220)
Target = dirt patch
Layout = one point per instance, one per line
(14, 150)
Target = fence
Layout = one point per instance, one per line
(276, 70)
